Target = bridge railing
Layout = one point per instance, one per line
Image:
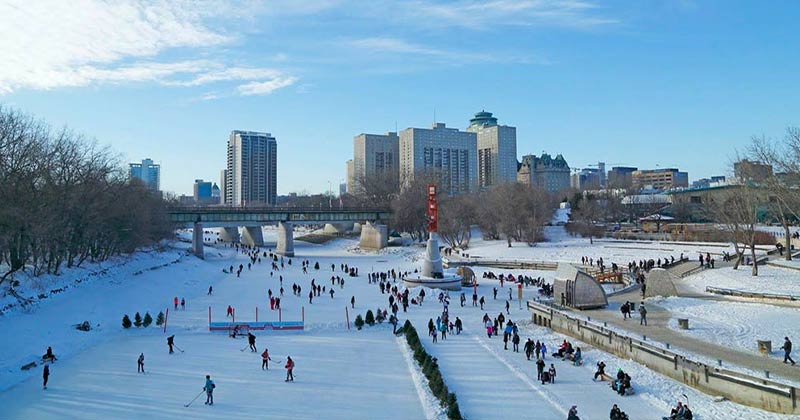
(275, 209)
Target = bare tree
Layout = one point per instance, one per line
(456, 217)
(783, 156)
(66, 200)
(584, 216)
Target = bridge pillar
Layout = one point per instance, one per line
(197, 240)
(253, 236)
(285, 239)
(229, 234)
(374, 236)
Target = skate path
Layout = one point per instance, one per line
(481, 382)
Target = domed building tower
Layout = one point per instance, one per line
(497, 150)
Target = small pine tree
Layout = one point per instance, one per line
(316, 266)
(126, 322)
(137, 320)
(160, 319)
(453, 411)
(359, 321)
(370, 318)
(147, 320)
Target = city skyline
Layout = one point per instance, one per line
(650, 85)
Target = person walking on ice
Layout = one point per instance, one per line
(209, 388)
(289, 368)
(252, 340)
(140, 364)
(265, 360)
(787, 350)
(170, 343)
(45, 376)
(642, 315)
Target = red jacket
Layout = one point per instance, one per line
(289, 364)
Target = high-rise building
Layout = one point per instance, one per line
(447, 155)
(148, 172)
(620, 177)
(223, 180)
(586, 179)
(497, 150)
(375, 156)
(551, 174)
(351, 177)
(205, 192)
(660, 179)
(601, 169)
(252, 173)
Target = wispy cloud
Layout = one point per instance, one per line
(397, 46)
(52, 44)
(478, 14)
(267, 87)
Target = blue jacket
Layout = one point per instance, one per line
(209, 385)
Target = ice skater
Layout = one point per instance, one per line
(45, 376)
(209, 388)
(289, 368)
(140, 364)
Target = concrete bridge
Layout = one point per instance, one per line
(374, 232)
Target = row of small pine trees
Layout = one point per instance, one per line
(431, 371)
(368, 319)
(138, 321)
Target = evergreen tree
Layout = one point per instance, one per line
(137, 320)
(359, 321)
(126, 322)
(147, 320)
(370, 318)
(160, 319)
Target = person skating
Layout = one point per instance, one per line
(459, 326)
(175, 302)
(515, 342)
(251, 339)
(353, 302)
(45, 376)
(482, 302)
(170, 343)
(210, 289)
(552, 372)
(265, 359)
(289, 368)
(140, 364)
(183, 304)
(787, 350)
(230, 311)
(209, 388)
(49, 356)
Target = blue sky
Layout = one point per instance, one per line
(642, 83)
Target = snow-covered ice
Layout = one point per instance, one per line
(341, 373)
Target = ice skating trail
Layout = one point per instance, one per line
(340, 374)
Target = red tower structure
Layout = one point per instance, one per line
(433, 209)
